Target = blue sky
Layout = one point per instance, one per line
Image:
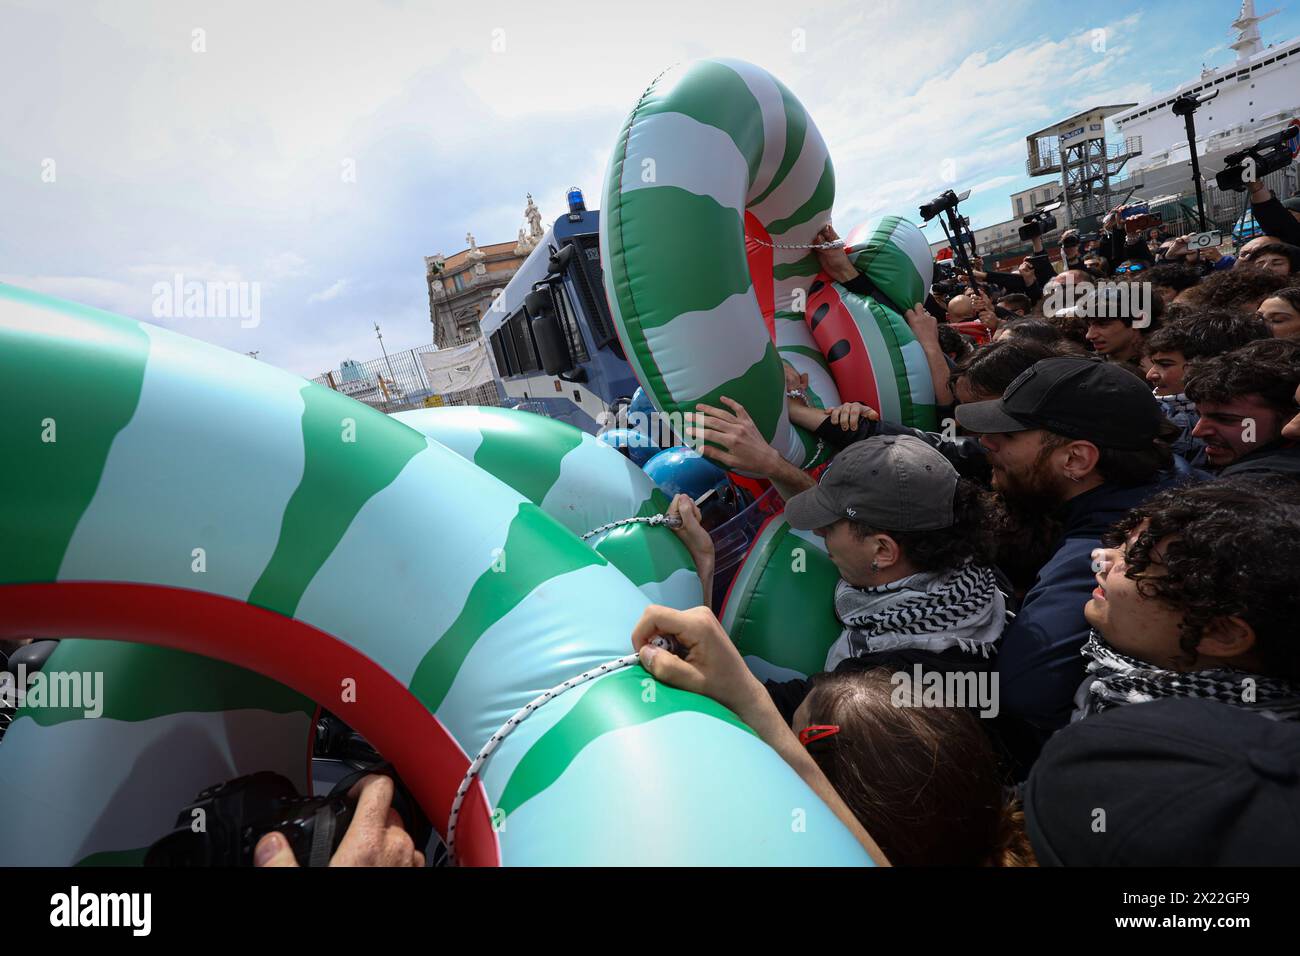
(227, 164)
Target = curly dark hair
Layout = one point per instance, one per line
(1238, 287)
(1269, 368)
(990, 369)
(953, 343)
(1231, 550)
(967, 539)
(1201, 333)
(1174, 276)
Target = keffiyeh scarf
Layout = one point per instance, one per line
(1115, 679)
(930, 611)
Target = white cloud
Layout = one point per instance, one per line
(229, 164)
(330, 293)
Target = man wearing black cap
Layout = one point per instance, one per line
(1085, 441)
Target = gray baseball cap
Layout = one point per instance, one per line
(890, 482)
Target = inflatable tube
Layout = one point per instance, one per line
(780, 609)
(873, 355)
(789, 332)
(869, 348)
(577, 480)
(82, 783)
(711, 149)
(370, 569)
(894, 254)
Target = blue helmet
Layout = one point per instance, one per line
(642, 416)
(641, 403)
(632, 443)
(684, 471)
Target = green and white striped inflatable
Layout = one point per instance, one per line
(580, 482)
(164, 491)
(894, 253)
(780, 608)
(870, 351)
(711, 152)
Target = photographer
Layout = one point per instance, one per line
(1123, 238)
(1071, 253)
(374, 838)
(1280, 220)
(1030, 276)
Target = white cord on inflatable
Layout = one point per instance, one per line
(668, 521)
(837, 244)
(476, 767)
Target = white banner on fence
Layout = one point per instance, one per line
(458, 368)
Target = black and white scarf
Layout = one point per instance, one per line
(1115, 679)
(930, 611)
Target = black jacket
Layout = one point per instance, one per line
(1119, 247)
(1278, 458)
(1011, 281)
(1276, 220)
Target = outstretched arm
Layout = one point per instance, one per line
(713, 667)
(743, 447)
(926, 329)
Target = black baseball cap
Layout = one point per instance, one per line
(1175, 782)
(891, 482)
(1075, 397)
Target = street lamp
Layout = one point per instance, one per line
(380, 335)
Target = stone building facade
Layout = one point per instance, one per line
(461, 289)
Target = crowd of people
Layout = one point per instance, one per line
(1106, 529)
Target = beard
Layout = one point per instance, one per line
(1026, 535)
(1028, 491)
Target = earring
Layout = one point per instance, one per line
(875, 566)
(1073, 477)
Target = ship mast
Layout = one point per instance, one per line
(1248, 41)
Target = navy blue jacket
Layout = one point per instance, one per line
(1039, 664)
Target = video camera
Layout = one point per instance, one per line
(1039, 222)
(1267, 156)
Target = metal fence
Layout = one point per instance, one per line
(1223, 209)
(398, 382)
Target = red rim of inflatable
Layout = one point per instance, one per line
(296, 654)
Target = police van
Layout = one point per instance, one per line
(550, 332)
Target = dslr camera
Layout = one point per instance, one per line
(1267, 156)
(236, 814)
(944, 201)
